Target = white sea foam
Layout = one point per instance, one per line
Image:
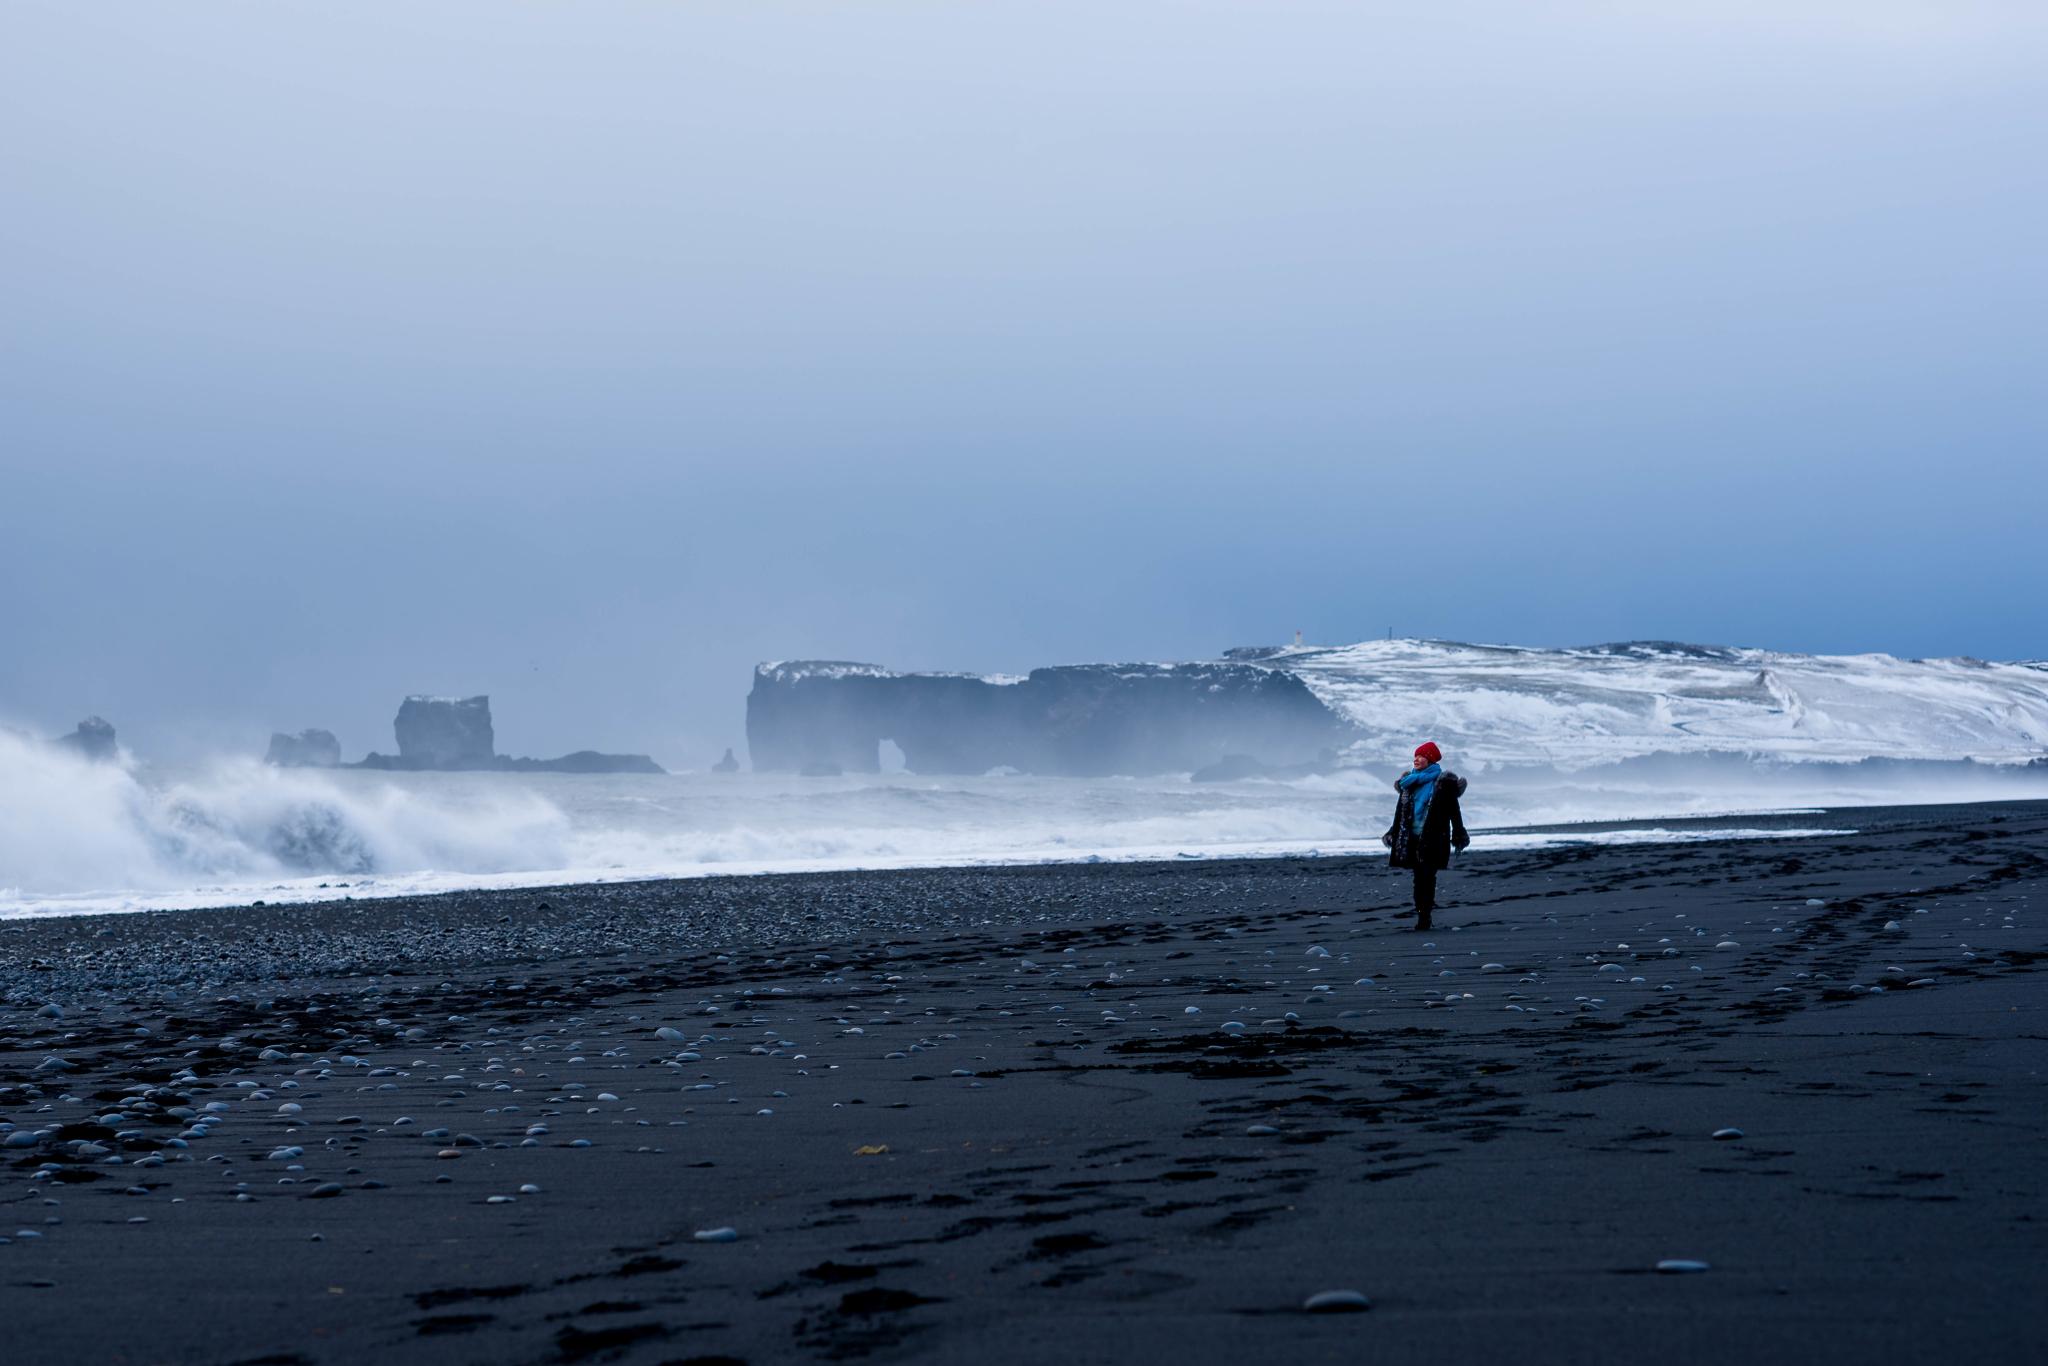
(73, 832)
(78, 837)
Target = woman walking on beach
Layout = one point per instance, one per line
(1427, 825)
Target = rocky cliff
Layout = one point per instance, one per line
(1084, 720)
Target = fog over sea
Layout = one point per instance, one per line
(76, 836)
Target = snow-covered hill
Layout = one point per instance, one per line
(1572, 708)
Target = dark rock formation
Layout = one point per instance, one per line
(455, 734)
(1085, 720)
(307, 749)
(94, 739)
(446, 732)
(726, 765)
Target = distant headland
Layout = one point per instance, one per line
(445, 734)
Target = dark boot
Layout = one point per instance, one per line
(1425, 896)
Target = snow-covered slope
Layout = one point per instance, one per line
(1572, 708)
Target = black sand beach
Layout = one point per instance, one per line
(1000, 1116)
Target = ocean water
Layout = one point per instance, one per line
(80, 837)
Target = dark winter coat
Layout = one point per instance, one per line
(1442, 828)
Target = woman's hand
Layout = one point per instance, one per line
(1387, 840)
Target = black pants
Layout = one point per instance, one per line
(1425, 892)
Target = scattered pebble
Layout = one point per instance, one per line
(1727, 1133)
(1336, 1302)
(1262, 1131)
(1678, 1266)
(717, 1235)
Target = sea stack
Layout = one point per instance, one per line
(454, 734)
(446, 732)
(94, 739)
(307, 749)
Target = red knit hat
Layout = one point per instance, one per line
(1428, 750)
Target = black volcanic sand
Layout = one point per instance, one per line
(967, 1116)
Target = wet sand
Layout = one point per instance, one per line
(1003, 1116)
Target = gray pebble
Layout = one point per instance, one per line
(1336, 1302)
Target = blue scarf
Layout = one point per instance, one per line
(1422, 784)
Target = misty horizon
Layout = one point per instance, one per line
(354, 754)
(342, 368)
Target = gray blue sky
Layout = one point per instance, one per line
(586, 354)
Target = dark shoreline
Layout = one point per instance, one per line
(1862, 818)
(1092, 1171)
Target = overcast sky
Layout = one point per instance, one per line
(587, 354)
